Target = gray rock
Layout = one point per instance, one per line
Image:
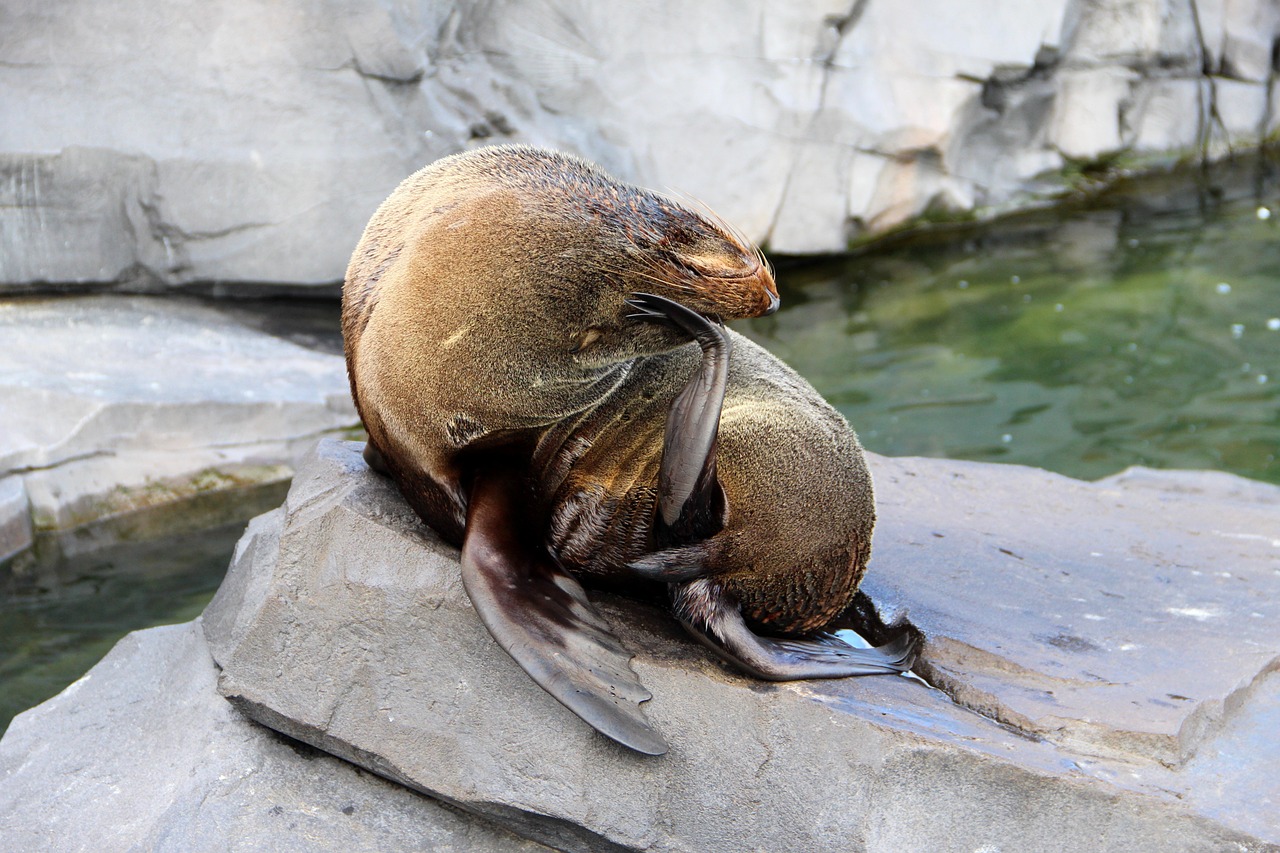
(806, 124)
(1105, 653)
(1128, 617)
(1240, 110)
(1087, 114)
(65, 214)
(15, 518)
(143, 754)
(115, 404)
(1238, 37)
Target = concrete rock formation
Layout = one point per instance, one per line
(143, 754)
(250, 143)
(114, 404)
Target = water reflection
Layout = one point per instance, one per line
(1124, 334)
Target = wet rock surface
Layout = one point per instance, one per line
(116, 404)
(1105, 682)
(805, 124)
(142, 754)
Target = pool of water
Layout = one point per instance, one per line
(1143, 328)
(1131, 332)
(68, 601)
(56, 628)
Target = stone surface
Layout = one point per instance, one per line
(806, 124)
(113, 404)
(15, 517)
(143, 754)
(1106, 654)
(1126, 617)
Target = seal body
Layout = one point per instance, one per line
(800, 510)
(536, 351)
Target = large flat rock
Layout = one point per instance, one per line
(806, 123)
(143, 754)
(113, 404)
(1128, 616)
(1105, 684)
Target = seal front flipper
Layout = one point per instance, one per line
(691, 502)
(542, 618)
(711, 615)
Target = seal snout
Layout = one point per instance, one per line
(760, 293)
(774, 302)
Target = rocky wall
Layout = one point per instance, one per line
(245, 144)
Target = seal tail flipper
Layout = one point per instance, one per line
(711, 615)
(542, 618)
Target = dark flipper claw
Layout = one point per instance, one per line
(659, 309)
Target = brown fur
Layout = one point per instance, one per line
(484, 315)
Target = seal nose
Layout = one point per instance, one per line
(774, 302)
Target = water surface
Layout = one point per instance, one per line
(58, 622)
(1131, 333)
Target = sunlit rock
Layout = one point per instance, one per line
(142, 754)
(1106, 653)
(1162, 115)
(116, 404)
(1239, 110)
(1239, 37)
(15, 517)
(1086, 115)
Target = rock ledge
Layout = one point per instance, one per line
(1117, 637)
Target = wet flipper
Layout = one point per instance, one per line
(542, 618)
(692, 508)
(691, 503)
(711, 615)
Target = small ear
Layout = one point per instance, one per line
(586, 339)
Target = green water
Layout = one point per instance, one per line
(1112, 337)
(55, 627)
(64, 604)
(1144, 329)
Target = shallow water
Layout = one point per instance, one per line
(1141, 330)
(64, 604)
(1126, 335)
(53, 628)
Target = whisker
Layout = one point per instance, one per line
(665, 281)
(731, 230)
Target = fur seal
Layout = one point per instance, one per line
(538, 355)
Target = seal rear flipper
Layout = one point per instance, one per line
(375, 460)
(712, 615)
(542, 618)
